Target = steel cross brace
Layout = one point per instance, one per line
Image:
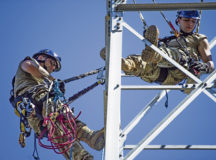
(171, 116)
(141, 114)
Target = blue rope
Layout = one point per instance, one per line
(102, 154)
(71, 151)
(166, 103)
(57, 91)
(35, 152)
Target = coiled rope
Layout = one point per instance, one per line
(66, 124)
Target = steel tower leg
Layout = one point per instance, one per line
(113, 84)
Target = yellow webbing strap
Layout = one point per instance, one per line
(22, 125)
(22, 140)
(16, 111)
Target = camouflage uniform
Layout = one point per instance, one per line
(149, 72)
(26, 82)
(151, 66)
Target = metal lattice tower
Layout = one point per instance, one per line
(115, 136)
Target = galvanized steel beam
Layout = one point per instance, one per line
(166, 6)
(174, 147)
(113, 82)
(163, 87)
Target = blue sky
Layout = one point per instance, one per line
(75, 30)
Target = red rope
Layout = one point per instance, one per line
(69, 132)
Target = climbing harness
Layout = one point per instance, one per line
(184, 62)
(22, 107)
(23, 110)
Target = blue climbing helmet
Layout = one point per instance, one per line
(50, 54)
(188, 14)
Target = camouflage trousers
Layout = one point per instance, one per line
(83, 132)
(149, 72)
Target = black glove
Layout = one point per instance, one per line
(196, 67)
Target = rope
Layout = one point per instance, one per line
(69, 135)
(198, 23)
(82, 92)
(50, 121)
(85, 90)
(83, 75)
(71, 151)
(35, 152)
(142, 18)
(103, 153)
(168, 22)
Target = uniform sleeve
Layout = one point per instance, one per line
(201, 37)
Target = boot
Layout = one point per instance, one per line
(79, 153)
(95, 139)
(128, 65)
(148, 54)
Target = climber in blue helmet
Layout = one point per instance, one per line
(33, 81)
(188, 48)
